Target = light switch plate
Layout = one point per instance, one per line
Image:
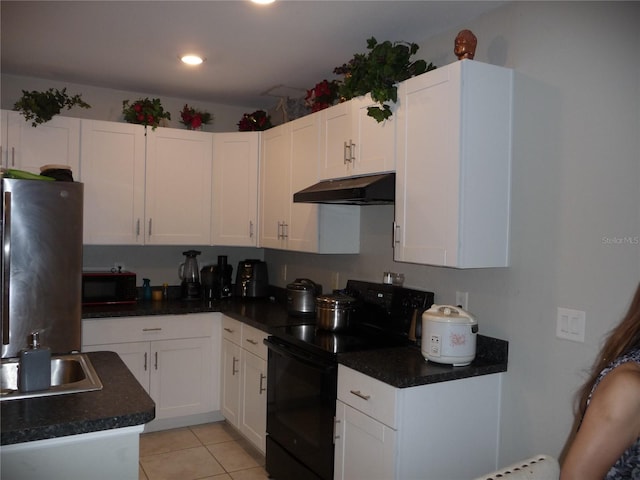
(571, 324)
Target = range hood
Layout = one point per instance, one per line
(364, 190)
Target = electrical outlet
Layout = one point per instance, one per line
(462, 300)
(571, 324)
(118, 266)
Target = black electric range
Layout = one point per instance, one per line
(381, 318)
(302, 374)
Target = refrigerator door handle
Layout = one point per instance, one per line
(6, 265)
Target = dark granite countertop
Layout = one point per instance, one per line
(261, 313)
(405, 367)
(400, 367)
(121, 403)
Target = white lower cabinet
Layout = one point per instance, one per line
(244, 379)
(387, 433)
(171, 356)
(365, 448)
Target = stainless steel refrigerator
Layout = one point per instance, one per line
(41, 276)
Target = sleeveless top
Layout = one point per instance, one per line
(627, 467)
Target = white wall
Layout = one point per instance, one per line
(576, 206)
(106, 104)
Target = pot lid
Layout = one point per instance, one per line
(448, 314)
(302, 284)
(335, 300)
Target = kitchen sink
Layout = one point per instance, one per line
(72, 373)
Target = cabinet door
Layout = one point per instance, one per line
(302, 224)
(454, 167)
(374, 143)
(336, 136)
(181, 380)
(136, 356)
(426, 185)
(364, 447)
(112, 170)
(54, 142)
(230, 376)
(235, 189)
(253, 422)
(178, 187)
(274, 186)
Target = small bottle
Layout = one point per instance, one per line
(34, 369)
(165, 291)
(146, 289)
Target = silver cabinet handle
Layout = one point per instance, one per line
(233, 366)
(13, 156)
(335, 429)
(251, 341)
(138, 228)
(250, 229)
(285, 230)
(156, 360)
(230, 330)
(263, 377)
(154, 329)
(396, 234)
(352, 151)
(145, 361)
(149, 227)
(347, 156)
(358, 393)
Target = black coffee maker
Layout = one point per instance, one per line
(252, 279)
(216, 279)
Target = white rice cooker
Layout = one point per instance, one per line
(449, 335)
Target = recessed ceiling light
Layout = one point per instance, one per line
(263, 2)
(192, 59)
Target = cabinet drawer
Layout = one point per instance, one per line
(372, 397)
(253, 341)
(139, 329)
(231, 329)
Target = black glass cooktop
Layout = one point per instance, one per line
(381, 318)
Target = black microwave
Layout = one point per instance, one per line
(108, 288)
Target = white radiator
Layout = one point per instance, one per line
(538, 467)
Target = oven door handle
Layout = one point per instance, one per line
(297, 353)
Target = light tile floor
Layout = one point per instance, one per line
(202, 452)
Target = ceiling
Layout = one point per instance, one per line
(253, 53)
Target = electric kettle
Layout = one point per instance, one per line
(190, 276)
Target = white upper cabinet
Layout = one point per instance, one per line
(354, 143)
(178, 187)
(28, 148)
(289, 163)
(112, 170)
(274, 185)
(454, 167)
(235, 189)
(145, 188)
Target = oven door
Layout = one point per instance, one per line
(301, 406)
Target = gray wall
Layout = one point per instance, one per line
(576, 206)
(575, 217)
(107, 104)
